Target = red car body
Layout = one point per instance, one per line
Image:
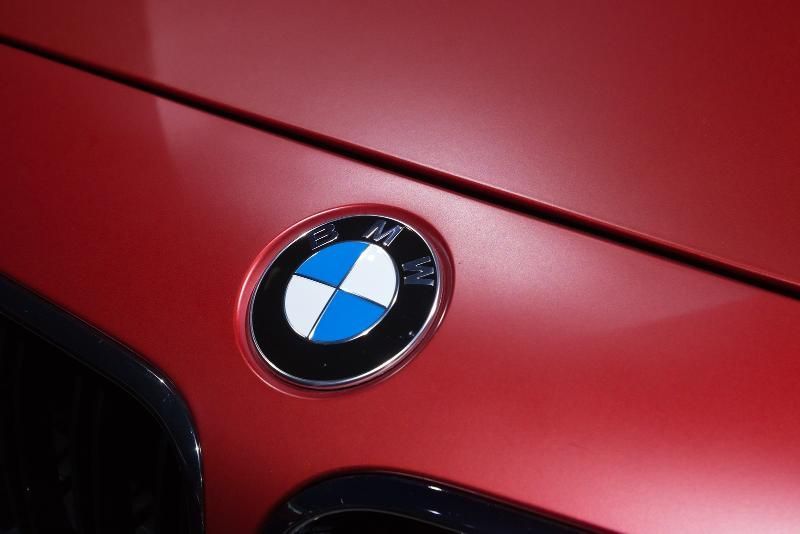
(617, 188)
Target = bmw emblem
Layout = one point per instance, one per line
(345, 302)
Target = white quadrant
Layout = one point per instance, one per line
(373, 276)
(304, 301)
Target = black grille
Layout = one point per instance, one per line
(392, 503)
(77, 452)
(350, 522)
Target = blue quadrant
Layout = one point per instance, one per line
(346, 316)
(330, 265)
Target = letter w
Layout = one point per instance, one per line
(419, 272)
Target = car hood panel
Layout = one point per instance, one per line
(675, 123)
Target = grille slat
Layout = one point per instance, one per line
(34, 445)
(78, 454)
(12, 508)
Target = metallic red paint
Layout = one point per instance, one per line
(676, 122)
(570, 373)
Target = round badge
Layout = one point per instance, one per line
(345, 302)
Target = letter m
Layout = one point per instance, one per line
(376, 232)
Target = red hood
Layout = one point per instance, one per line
(676, 124)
